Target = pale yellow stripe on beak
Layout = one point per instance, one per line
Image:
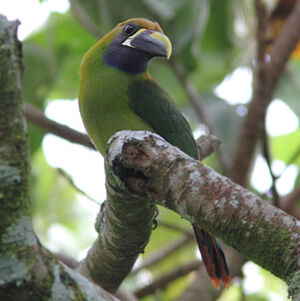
(162, 37)
(128, 41)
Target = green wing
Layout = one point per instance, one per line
(149, 101)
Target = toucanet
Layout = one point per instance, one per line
(117, 93)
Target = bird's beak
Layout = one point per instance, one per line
(153, 42)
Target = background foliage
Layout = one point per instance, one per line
(211, 39)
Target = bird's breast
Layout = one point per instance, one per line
(105, 110)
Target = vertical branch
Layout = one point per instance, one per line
(267, 156)
(254, 121)
(124, 228)
(199, 108)
(266, 79)
(14, 153)
(84, 19)
(28, 272)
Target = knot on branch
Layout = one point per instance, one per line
(131, 176)
(142, 160)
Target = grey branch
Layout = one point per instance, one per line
(164, 252)
(164, 280)
(37, 117)
(124, 228)
(153, 169)
(84, 19)
(28, 271)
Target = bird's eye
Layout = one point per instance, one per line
(129, 28)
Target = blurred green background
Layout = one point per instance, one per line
(214, 43)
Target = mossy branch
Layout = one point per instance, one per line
(125, 223)
(124, 226)
(152, 168)
(27, 270)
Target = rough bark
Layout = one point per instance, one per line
(124, 228)
(27, 270)
(37, 117)
(152, 168)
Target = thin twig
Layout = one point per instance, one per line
(266, 154)
(37, 117)
(265, 81)
(164, 280)
(199, 107)
(71, 182)
(84, 19)
(254, 121)
(175, 227)
(67, 260)
(283, 47)
(207, 144)
(163, 253)
(291, 160)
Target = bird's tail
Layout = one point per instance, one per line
(213, 258)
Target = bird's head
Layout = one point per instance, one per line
(131, 44)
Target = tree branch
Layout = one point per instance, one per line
(267, 156)
(199, 108)
(207, 144)
(164, 252)
(253, 123)
(155, 170)
(37, 117)
(265, 81)
(69, 179)
(164, 280)
(84, 19)
(112, 256)
(175, 227)
(28, 271)
(124, 229)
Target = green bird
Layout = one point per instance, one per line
(117, 93)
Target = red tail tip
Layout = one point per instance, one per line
(226, 281)
(216, 282)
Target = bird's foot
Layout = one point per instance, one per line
(100, 217)
(155, 222)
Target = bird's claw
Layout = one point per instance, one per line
(100, 217)
(155, 222)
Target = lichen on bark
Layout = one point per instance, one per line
(254, 227)
(27, 270)
(124, 228)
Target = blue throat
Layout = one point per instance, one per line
(126, 58)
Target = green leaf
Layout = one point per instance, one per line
(289, 88)
(53, 59)
(285, 147)
(39, 73)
